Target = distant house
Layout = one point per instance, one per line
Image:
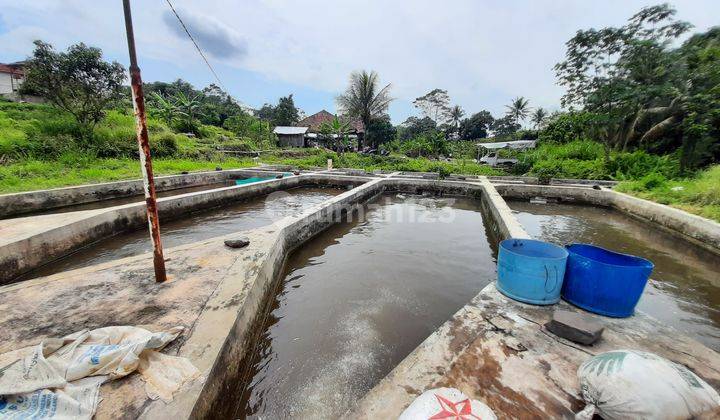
(291, 136)
(313, 123)
(12, 77)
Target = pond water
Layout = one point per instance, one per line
(244, 215)
(684, 289)
(357, 299)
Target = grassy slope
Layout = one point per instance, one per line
(35, 175)
(27, 175)
(699, 195)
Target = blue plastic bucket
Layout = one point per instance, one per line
(531, 271)
(604, 282)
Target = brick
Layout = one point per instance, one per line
(575, 326)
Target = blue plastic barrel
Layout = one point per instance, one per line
(531, 271)
(604, 282)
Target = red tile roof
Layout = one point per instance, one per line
(314, 121)
(9, 68)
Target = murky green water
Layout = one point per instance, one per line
(244, 215)
(684, 290)
(357, 299)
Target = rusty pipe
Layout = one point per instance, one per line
(144, 148)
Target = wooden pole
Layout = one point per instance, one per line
(144, 147)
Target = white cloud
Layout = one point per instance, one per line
(483, 52)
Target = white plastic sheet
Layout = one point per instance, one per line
(61, 378)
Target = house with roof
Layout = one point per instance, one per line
(290, 136)
(12, 77)
(314, 121)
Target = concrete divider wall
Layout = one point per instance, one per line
(30, 252)
(34, 201)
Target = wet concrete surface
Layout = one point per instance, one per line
(244, 215)
(684, 290)
(357, 299)
(102, 204)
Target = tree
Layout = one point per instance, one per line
(636, 86)
(539, 117)
(285, 113)
(78, 81)
(163, 107)
(505, 126)
(266, 112)
(518, 109)
(336, 130)
(477, 126)
(188, 105)
(363, 98)
(456, 114)
(380, 131)
(415, 127)
(434, 105)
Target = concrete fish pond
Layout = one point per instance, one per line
(358, 298)
(193, 227)
(328, 314)
(684, 288)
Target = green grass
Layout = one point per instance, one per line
(699, 195)
(71, 170)
(35, 174)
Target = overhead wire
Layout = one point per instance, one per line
(197, 47)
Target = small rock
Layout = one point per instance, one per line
(237, 243)
(184, 172)
(296, 173)
(596, 187)
(400, 196)
(575, 327)
(279, 176)
(218, 168)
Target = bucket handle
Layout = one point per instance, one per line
(547, 278)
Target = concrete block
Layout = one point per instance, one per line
(575, 326)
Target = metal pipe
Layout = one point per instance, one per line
(144, 147)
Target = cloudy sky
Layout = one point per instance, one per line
(483, 52)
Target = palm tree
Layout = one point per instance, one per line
(539, 117)
(456, 114)
(518, 109)
(165, 108)
(363, 99)
(337, 130)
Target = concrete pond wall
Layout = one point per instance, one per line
(34, 201)
(49, 237)
(698, 230)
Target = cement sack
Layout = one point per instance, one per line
(630, 384)
(446, 403)
(60, 378)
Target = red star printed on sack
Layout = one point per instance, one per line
(457, 411)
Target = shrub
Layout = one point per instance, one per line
(163, 145)
(441, 170)
(635, 165)
(566, 127)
